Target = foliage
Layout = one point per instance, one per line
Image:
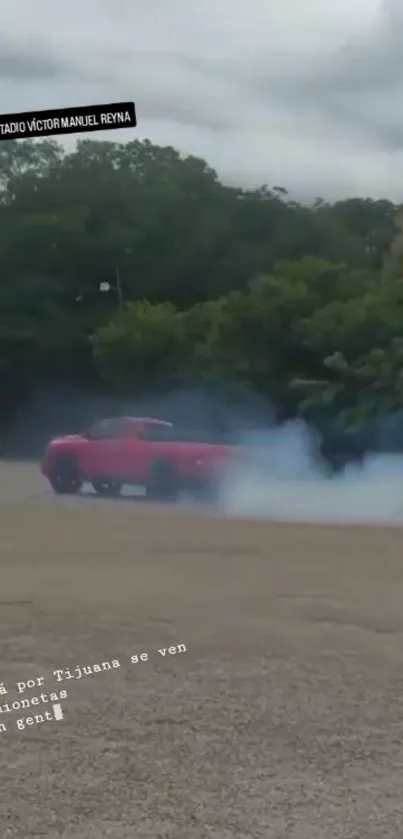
(304, 303)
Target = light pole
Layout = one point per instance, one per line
(104, 286)
(118, 287)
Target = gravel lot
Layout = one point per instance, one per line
(283, 717)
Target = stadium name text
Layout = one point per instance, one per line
(60, 123)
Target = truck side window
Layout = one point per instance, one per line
(157, 433)
(105, 430)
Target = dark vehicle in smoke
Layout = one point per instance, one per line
(339, 449)
(137, 451)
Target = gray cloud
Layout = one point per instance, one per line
(301, 93)
(357, 87)
(30, 60)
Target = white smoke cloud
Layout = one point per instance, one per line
(281, 479)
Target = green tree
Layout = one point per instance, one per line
(141, 347)
(218, 282)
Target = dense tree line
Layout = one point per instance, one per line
(128, 267)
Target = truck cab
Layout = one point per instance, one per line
(137, 451)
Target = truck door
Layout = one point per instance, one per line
(140, 446)
(103, 458)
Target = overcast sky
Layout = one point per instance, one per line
(307, 94)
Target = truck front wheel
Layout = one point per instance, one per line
(64, 476)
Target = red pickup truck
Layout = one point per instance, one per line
(135, 450)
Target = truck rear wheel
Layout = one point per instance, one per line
(162, 482)
(110, 489)
(64, 476)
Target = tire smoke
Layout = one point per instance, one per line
(279, 475)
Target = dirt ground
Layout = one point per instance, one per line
(282, 718)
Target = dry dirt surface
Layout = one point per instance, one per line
(283, 717)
